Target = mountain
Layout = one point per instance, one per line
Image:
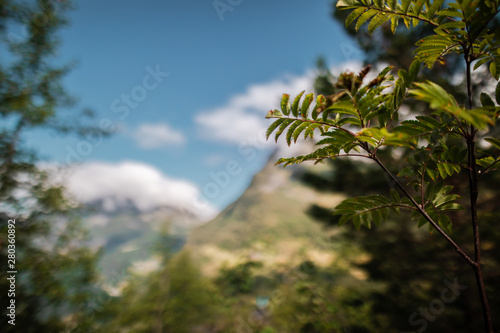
(129, 238)
(268, 223)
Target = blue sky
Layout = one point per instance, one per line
(226, 68)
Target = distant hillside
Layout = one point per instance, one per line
(128, 238)
(267, 223)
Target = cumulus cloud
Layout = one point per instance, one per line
(144, 186)
(151, 136)
(243, 115)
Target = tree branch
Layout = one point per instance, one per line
(424, 213)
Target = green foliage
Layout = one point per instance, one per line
(459, 26)
(310, 304)
(238, 279)
(362, 118)
(56, 280)
(364, 210)
(174, 298)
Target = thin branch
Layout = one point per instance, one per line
(333, 156)
(488, 168)
(351, 155)
(473, 195)
(387, 206)
(424, 213)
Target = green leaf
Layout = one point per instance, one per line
(405, 5)
(404, 75)
(493, 70)
(445, 222)
(429, 122)
(417, 9)
(395, 196)
(421, 221)
(432, 173)
(453, 13)
(432, 190)
(441, 101)
(291, 130)
(446, 169)
(320, 103)
(305, 105)
(286, 122)
(364, 210)
(310, 130)
(414, 69)
(274, 114)
(377, 21)
(295, 105)
(406, 172)
(435, 6)
(433, 94)
(336, 139)
(285, 104)
(299, 130)
(486, 100)
(343, 107)
(394, 24)
(494, 142)
(481, 61)
(485, 162)
(354, 15)
(432, 48)
(273, 126)
(364, 17)
(346, 3)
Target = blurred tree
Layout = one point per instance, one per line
(317, 300)
(55, 284)
(239, 279)
(174, 298)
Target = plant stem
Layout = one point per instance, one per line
(473, 194)
(424, 213)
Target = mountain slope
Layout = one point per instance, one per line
(267, 223)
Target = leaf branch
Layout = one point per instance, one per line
(402, 14)
(422, 211)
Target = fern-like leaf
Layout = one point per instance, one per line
(365, 210)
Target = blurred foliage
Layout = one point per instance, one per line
(56, 283)
(174, 298)
(238, 279)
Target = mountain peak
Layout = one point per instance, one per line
(267, 223)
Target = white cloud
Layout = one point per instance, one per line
(243, 116)
(151, 136)
(140, 184)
